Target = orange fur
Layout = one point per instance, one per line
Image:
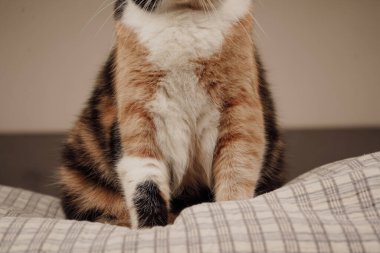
(137, 81)
(230, 78)
(91, 196)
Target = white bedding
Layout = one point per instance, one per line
(334, 208)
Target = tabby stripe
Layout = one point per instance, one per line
(272, 173)
(74, 212)
(93, 115)
(80, 161)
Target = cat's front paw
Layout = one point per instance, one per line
(150, 207)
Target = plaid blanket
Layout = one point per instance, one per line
(334, 208)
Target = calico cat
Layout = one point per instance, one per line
(181, 114)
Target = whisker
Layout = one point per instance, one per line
(260, 27)
(211, 5)
(97, 12)
(207, 5)
(155, 5)
(146, 6)
(107, 19)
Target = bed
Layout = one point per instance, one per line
(334, 208)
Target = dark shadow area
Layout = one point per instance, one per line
(308, 149)
(30, 161)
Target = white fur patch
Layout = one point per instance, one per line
(173, 38)
(186, 119)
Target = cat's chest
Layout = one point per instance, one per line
(175, 51)
(181, 96)
(186, 122)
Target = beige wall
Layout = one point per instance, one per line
(322, 57)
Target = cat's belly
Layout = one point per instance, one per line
(187, 127)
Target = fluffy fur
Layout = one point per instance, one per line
(181, 114)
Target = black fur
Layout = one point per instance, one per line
(79, 161)
(185, 199)
(75, 156)
(91, 116)
(148, 5)
(119, 8)
(115, 147)
(273, 168)
(72, 212)
(150, 206)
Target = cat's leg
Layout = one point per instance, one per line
(146, 187)
(240, 149)
(142, 172)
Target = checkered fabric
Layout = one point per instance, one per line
(334, 208)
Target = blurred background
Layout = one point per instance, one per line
(322, 59)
